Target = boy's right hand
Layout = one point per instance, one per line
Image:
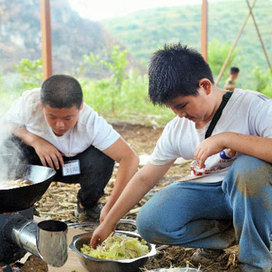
(48, 154)
(101, 233)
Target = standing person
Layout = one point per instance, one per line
(52, 126)
(233, 75)
(229, 197)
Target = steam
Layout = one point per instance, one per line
(10, 154)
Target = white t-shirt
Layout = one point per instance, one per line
(246, 112)
(90, 128)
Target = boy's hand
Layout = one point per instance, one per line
(101, 233)
(208, 147)
(48, 153)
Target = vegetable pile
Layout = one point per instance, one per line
(117, 248)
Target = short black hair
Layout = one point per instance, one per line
(234, 70)
(175, 71)
(61, 91)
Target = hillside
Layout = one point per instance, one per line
(72, 36)
(144, 31)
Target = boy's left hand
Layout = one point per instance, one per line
(101, 233)
(208, 147)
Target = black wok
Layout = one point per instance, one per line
(21, 198)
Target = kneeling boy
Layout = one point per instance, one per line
(229, 137)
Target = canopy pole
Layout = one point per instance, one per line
(259, 35)
(234, 45)
(46, 38)
(204, 29)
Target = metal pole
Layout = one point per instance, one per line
(260, 37)
(234, 45)
(204, 29)
(46, 38)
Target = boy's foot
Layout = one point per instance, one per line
(205, 256)
(90, 214)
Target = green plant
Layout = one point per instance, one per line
(30, 72)
(262, 81)
(131, 102)
(217, 54)
(115, 62)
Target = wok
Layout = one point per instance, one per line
(20, 198)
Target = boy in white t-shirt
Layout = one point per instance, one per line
(229, 196)
(230, 84)
(52, 126)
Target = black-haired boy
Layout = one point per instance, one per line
(230, 193)
(233, 75)
(53, 126)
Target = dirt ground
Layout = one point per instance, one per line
(59, 202)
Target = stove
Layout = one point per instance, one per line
(19, 234)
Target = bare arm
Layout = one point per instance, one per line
(229, 87)
(128, 164)
(255, 146)
(138, 186)
(47, 153)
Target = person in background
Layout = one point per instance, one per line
(233, 75)
(52, 126)
(228, 197)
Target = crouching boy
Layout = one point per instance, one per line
(228, 137)
(52, 126)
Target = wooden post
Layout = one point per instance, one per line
(233, 46)
(204, 29)
(260, 36)
(46, 38)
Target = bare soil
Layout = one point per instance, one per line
(59, 202)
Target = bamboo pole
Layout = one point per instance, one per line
(260, 36)
(204, 29)
(234, 45)
(46, 38)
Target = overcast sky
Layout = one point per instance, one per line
(104, 9)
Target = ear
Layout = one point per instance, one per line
(81, 106)
(206, 85)
(41, 105)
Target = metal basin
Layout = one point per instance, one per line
(101, 265)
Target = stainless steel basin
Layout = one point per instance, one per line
(101, 265)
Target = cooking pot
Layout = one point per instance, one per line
(20, 198)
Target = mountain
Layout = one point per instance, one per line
(144, 31)
(72, 36)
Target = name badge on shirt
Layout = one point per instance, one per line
(71, 168)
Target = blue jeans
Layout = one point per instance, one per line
(213, 215)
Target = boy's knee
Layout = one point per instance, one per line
(153, 228)
(249, 170)
(144, 224)
(251, 177)
(93, 159)
(147, 226)
(245, 162)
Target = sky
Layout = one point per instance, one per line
(105, 9)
